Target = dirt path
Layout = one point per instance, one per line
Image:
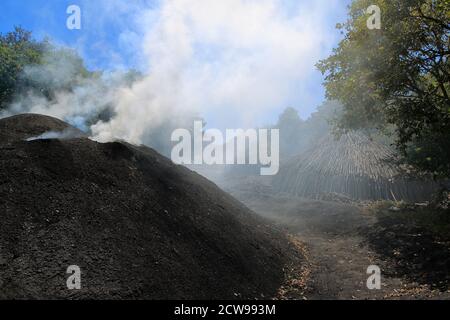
(337, 255)
(339, 251)
(338, 269)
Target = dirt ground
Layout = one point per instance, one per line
(340, 241)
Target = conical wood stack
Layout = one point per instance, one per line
(354, 166)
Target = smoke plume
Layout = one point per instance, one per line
(62, 135)
(231, 62)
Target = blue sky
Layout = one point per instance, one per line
(48, 18)
(115, 35)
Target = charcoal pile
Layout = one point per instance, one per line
(138, 226)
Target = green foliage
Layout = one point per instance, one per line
(398, 76)
(17, 50)
(31, 66)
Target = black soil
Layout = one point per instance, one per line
(137, 225)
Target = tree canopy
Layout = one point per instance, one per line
(17, 50)
(29, 65)
(397, 77)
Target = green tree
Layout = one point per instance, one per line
(397, 77)
(38, 67)
(17, 50)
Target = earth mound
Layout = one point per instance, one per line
(29, 126)
(138, 226)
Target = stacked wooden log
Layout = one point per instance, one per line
(352, 165)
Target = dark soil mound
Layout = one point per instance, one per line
(137, 225)
(29, 125)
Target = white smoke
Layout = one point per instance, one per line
(61, 135)
(232, 61)
(76, 98)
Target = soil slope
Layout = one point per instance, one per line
(137, 225)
